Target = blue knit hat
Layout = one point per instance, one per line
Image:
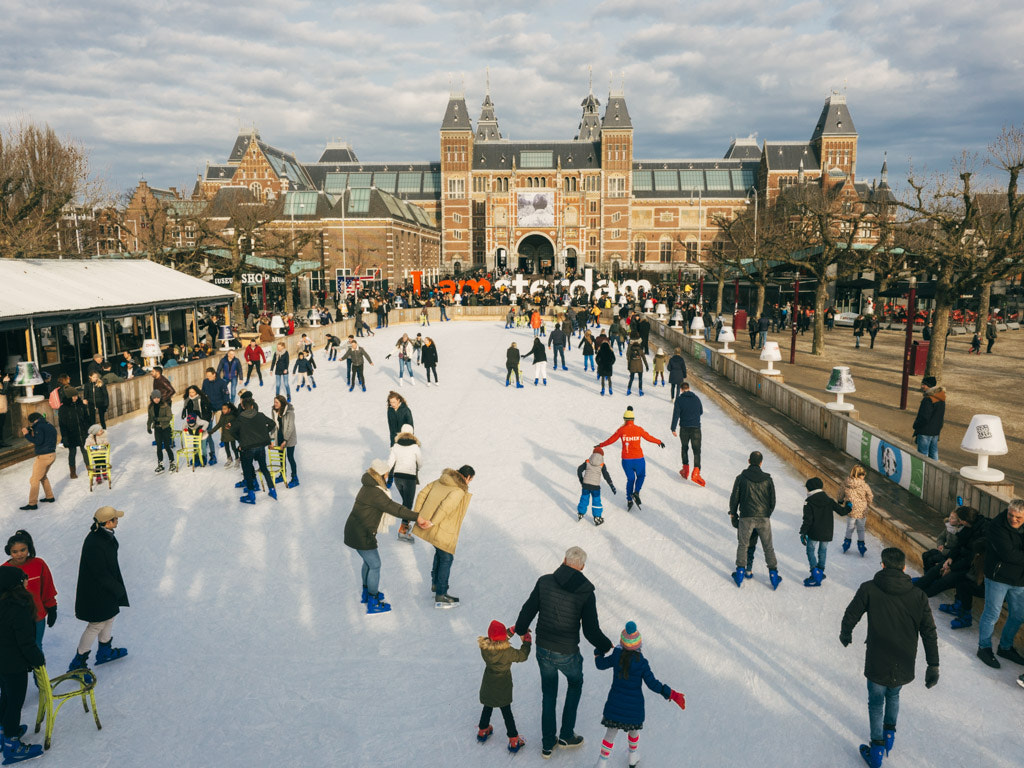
(630, 638)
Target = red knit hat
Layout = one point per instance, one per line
(497, 632)
(599, 450)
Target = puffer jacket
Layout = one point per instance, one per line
(625, 703)
(636, 360)
(512, 358)
(398, 418)
(286, 426)
(605, 360)
(444, 502)
(931, 413)
(659, 362)
(859, 494)
(591, 471)
(1004, 551)
(496, 686)
(372, 502)
(563, 602)
(753, 494)
(405, 458)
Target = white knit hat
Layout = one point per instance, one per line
(407, 428)
(380, 467)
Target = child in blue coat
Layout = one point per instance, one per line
(624, 710)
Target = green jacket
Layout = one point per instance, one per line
(496, 687)
(371, 503)
(160, 416)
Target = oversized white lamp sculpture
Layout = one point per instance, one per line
(697, 326)
(225, 336)
(725, 336)
(28, 376)
(984, 437)
(151, 353)
(840, 383)
(770, 354)
(277, 324)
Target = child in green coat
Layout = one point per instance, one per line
(496, 687)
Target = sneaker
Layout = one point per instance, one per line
(598, 521)
(986, 655)
(571, 741)
(1010, 654)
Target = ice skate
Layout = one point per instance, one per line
(106, 653)
(515, 743)
(16, 752)
(484, 733)
(774, 578)
(738, 575)
(159, 468)
(862, 548)
(685, 472)
(697, 478)
(376, 604)
(846, 545)
(598, 521)
(446, 601)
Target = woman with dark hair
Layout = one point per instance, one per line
(286, 438)
(428, 357)
(18, 654)
(198, 404)
(39, 580)
(73, 422)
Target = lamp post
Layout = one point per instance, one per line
(796, 310)
(908, 341)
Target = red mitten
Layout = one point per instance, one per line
(511, 630)
(678, 698)
(527, 637)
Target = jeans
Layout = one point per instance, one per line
(762, 337)
(233, 384)
(856, 522)
(40, 631)
(995, 593)
(761, 527)
(444, 313)
(570, 665)
(209, 449)
(281, 382)
(441, 570)
(636, 471)
(690, 437)
(404, 364)
(371, 569)
(928, 445)
(593, 498)
(558, 350)
(639, 381)
(879, 697)
(822, 547)
(588, 360)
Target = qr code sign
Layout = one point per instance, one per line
(983, 432)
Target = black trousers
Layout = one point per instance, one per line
(259, 373)
(357, 373)
(406, 485)
(485, 718)
(102, 413)
(257, 456)
(163, 443)
(12, 698)
(431, 369)
(509, 372)
(690, 436)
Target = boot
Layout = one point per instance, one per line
(774, 578)
(814, 580)
(685, 472)
(16, 752)
(697, 478)
(889, 733)
(293, 482)
(81, 661)
(953, 608)
(738, 576)
(248, 498)
(846, 545)
(515, 743)
(862, 548)
(106, 653)
(74, 474)
(484, 733)
(375, 604)
(366, 596)
(873, 754)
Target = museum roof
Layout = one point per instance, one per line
(786, 155)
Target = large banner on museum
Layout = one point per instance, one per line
(536, 209)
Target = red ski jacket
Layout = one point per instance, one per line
(630, 434)
(39, 584)
(255, 354)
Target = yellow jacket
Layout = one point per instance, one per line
(444, 503)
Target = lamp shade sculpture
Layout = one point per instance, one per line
(697, 326)
(770, 354)
(28, 376)
(225, 336)
(840, 384)
(277, 324)
(726, 336)
(984, 437)
(151, 353)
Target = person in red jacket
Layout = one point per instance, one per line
(39, 582)
(633, 463)
(254, 355)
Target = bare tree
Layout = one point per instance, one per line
(285, 244)
(165, 229)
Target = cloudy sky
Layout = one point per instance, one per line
(160, 88)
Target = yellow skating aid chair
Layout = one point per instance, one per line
(85, 679)
(277, 464)
(191, 450)
(98, 461)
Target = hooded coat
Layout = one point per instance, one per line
(818, 523)
(512, 358)
(496, 687)
(444, 502)
(931, 413)
(372, 502)
(625, 703)
(405, 458)
(857, 491)
(605, 360)
(636, 360)
(753, 493)
(18, 650)
(676, 369)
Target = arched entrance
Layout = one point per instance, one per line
(536, 255)
(570, 259)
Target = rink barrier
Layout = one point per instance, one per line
(939, 484)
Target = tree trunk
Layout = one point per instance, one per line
(720, 296)
(820, 296)
(940, 324)
(984, 307)
(759, 306)
(236, 305)
(289, 305)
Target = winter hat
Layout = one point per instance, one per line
(190, 419)
(496, 632)
(380, 467)
(156, 394)
(106, 514)
(95, 429)
(10, 577)
(407, 428)
(661, 351)
(929, 381)
(630, 638)
(599, 450)
(628, 415)
(814, 484)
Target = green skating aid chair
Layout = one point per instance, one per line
(48, 694)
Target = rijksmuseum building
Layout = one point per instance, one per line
(539, 206)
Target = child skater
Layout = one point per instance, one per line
(96, 440)
(590, 473)
(624, 710)
(496, 687)
(225, 423)
(975, 345)
(304, 369)
(857, 491)
(816, 529)
(660, 358)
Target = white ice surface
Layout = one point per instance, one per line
(248, 645)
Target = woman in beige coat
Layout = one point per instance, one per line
(444, 503)
(857, 491)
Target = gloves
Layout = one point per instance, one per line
(845, 638)
(527, 637)
(389, 483)
(512, 630)
(735, 521)
(849, 505)
(149, 430)
(51, 619)
(803, 539)
(931, 676)
(678, 698)
(661, 444)
(613, 489)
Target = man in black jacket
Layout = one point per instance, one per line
(556, 341)
(753, 500)
(930, 416)
(562, 601)
(43, 435)
(253, 430)
(686, 413)
(897, 615)
(1004, 581)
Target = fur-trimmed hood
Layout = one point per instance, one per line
(936, 393)
(486, 644)
(452, 477)
(406, 438)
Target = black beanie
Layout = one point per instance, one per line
(814, 484)
(10, 577)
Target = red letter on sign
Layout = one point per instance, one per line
(416, 284)
(446, 286)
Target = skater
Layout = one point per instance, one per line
(605, 360)
(590, 473)
(857, 492)
(624, 708)
(253, 430)
(162, 383)
(496, 687)
(536, 322)
(73, 421)
(975, 345)
(399, 414)
(750, 507)
(444, 504)
(404, 464)
(616, 334)
(285, 435)
(931, 415)
(540, 361)
(43, 437)
(429, 359)
(897, 615)
(556, 342)
(196, 427)
(101, 592)
(98, 397)
(417, 346)
(230, 370)
(636, 364)
(225, 423)
(817, 528)
(18, 654)
(1004, 582)
(404, 351)
(95, 441)
(38, 581)
(686, 413)
(333, 342)
(633, 462)
(216, 391)
(587, 348)
(304, 369)
(512, 365)
(254, 356)
(158, 423)
(357, 355)
(510, 318)
(568, 327)
(348, 362)
(660, 358)
(424, 318)
(676, 373)
(372, 502)
(197, 404)
(563, 602)
(279, 365)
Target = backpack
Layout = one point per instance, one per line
(55, 399)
